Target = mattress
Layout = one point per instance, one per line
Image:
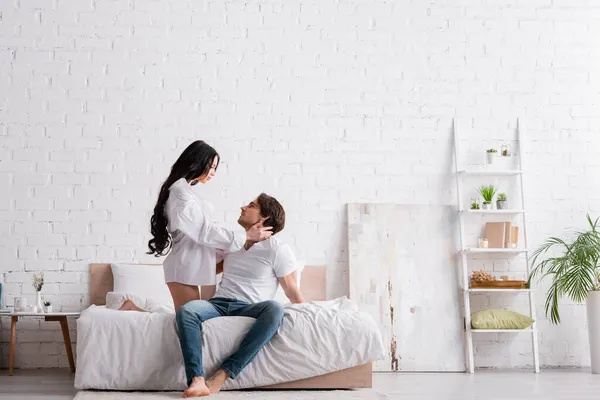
(128, 350)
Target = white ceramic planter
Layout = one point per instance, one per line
(486, 206)
(593, 315)
(490, 157)
(47, 309)
(501, 205)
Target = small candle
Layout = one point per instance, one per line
(483, 242)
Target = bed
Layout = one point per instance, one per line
(322, 344)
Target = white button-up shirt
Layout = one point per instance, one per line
(192, 258)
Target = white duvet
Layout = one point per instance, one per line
(128, 350)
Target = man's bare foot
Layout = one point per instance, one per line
(197, 388)
(216, 382)
(130, 306)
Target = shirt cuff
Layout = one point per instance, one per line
(239, 239)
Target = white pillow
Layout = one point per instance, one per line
(142, 280)
(280, 296)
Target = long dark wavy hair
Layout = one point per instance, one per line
(194, 162)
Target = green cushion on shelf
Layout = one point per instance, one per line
(500, 319)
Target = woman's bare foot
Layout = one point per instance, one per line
(216, 382)
(130, 306)
(197, 388)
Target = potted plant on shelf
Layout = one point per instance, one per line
(474, 205)
(501, 201)
(491, 154)
(487, 192)
(575, 273)
(47, 306)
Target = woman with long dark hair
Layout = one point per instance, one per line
(181, 224)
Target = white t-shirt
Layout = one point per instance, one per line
(251, 275)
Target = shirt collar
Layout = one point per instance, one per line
(182, 182)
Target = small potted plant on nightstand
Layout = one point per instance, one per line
(47, 306)
(487, 192)
(501, 202)
(491, 155)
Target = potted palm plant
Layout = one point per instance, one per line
(487, 192)
(575, 273)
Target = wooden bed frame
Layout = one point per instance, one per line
(313, 288)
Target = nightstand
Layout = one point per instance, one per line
(54, 316)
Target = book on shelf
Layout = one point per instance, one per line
(495, 232)
(514, 235)
(501, 234)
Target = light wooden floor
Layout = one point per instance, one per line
(46, 384)
(567, 384)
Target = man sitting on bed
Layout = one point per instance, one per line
(248, 285)
(247, 288)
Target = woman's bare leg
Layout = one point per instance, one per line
(183, 293)
(207, 292)
(180, 292)
(129, 305)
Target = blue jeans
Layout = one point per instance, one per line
(190, 316)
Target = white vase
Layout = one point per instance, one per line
(490, 157)
(593, 316)
(38, 301)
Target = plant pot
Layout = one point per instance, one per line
(501, 205)
(487, 206)
(593, 316)
(47, 309)
(490, 157)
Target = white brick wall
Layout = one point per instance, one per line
(319, 103)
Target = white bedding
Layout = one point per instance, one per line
(131, 350)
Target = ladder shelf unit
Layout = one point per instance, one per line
(465, 213)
